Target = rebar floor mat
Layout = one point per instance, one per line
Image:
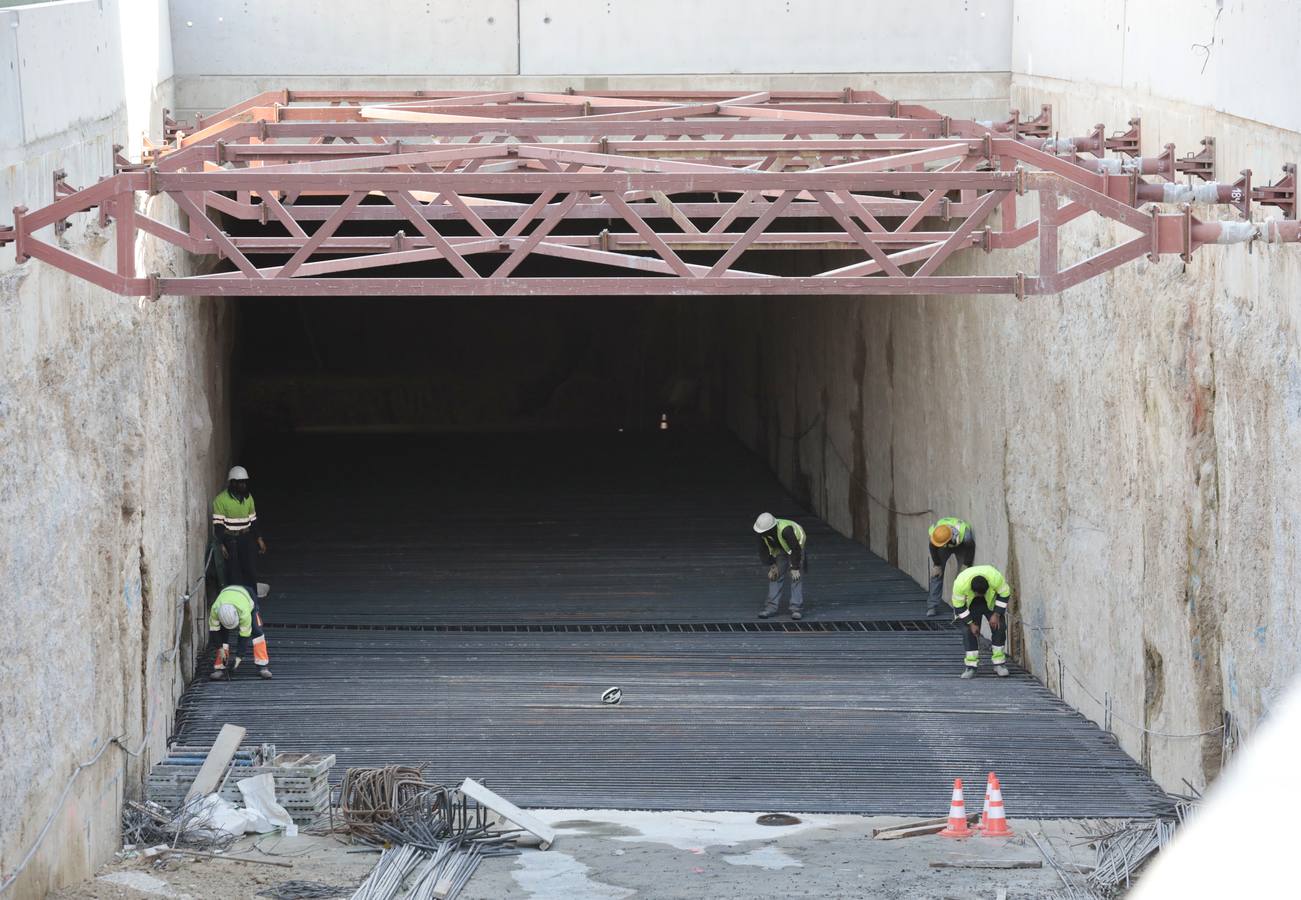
(870, 722)
(511, 529)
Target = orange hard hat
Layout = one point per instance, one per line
(941, 535)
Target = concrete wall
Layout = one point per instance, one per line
(112, 430)
(227, 50)
(1123, 449)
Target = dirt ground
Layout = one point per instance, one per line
(612, 855)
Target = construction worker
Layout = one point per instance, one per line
(234, 524)
(949, 537)
(235, 618)
(781, 549)
(981, 592)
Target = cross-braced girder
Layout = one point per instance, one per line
(312, 193)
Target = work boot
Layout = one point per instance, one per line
(968, 672)
(264, 672)
(765, 614)
(1001, 671)
(217, 675)
(797, 615)
(933, 611)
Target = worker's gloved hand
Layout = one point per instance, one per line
(796, 575)
(773, 572)
(261, 546)
(995, 621)
(975, 629)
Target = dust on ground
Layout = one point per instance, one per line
(614, 855)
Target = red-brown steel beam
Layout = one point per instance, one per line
(671, 173)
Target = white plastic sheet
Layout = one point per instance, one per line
(260, 798)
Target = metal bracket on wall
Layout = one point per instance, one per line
(1281, 193)
(1201, 165)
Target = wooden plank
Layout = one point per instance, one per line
(218, 759)
(937, 826)
(987, 864)
(507, 810)
(920, 823)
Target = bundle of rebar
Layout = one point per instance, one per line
(1123, 851)
(305, 890)
(367, 797)
(390, 873)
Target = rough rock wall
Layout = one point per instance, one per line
(1124, 449)
(113, 426)
(113, 431)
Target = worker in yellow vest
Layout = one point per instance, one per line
(782, 549)
(236, 621)
(981, 592)
(949, 537)
(235, 526)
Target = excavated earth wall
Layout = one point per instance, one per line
(1125, 450)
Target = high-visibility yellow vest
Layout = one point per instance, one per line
(782, 525)
(234, 515)
(238, 597)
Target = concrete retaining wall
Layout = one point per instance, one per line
(113, 422)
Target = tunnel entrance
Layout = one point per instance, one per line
(498, 462)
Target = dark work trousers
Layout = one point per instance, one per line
(966, 554)
(981, 610)
(241, 567)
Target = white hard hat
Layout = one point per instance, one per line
(765, 522)
(227, 615)
(238, 473)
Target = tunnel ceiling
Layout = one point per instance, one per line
(651, 193)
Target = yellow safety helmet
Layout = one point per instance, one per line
(941, 535)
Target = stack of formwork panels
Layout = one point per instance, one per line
(302, 779)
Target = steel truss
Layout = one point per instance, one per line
(428, 193)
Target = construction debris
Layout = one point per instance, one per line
(212, 773)
(1123, 851)
(149, 824)
(500, 805)
(305, 890)
(986, 864)
(440, 836)
(302, 780)
(164, 850)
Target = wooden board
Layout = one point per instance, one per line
(219, 757)
(507, 810)
(917, 829)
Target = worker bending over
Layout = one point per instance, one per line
(781, 549)
(949, 537)
(981, 592)
(236, 616)
(234, 523)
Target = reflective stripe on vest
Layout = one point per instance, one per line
(782, 525)
(234, 515)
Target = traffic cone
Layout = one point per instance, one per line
(995, 822)
(984, 811)
(957, 827)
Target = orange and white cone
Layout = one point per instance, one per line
(984, 811)
(995, 822)
(957, 827)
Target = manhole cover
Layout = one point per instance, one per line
(777, 819)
